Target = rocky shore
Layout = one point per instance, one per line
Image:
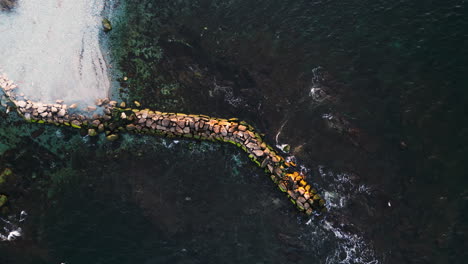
(7, 4)
(118, 118)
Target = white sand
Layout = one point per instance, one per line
(50, 48)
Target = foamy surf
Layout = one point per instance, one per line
(50, 48)
(11, 229)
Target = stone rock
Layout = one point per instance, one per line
(112, 137)
(101, 128)
(73, 106)
(61, 112)
(96, 123)
(59, 101)
(149, 122)
(91, 108)
(106, 25)
(301, 190)
(242, 128)
(181, 123)
(223, 131)
(92, 132)
(301, 199)
(137, 104)
(123, 115)
(21, 104)
(123, 105)
(292, 194)
(258, 153)
(76, 123)
(131, 127)
(41, 109)
(53, 110)
(3, 200)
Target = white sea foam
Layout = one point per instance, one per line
(11, 229)
(50, 48)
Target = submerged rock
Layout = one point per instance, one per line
(112, 137)
(3, 200)
(3, 176)
(106, 25)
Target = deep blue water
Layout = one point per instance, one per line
(394, 71)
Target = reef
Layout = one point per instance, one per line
(118, 118)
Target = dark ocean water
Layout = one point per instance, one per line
(385, 140)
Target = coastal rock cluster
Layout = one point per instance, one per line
(7, 4)
(119, 118)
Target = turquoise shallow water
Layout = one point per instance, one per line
(393, 71)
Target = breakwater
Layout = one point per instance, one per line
(112, 118)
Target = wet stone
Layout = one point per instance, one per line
(181, 123)
(76, 123)
(112, 137)
(92, 132)
(292, 194)
(21, 104)
(224, 133)
(301, 190)
(258, 153)
(301, 199)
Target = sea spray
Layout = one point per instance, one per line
(51, 49)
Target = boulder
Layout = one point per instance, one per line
(61, 112)
(106, 25)
(112, 137)
(92, 132)
(3, 200)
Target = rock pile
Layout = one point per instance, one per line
(120, 119)
(7, 4)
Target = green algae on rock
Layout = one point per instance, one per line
(106, 25)
(5, 173)
(3, 200)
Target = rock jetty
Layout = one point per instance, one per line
(117, 118)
